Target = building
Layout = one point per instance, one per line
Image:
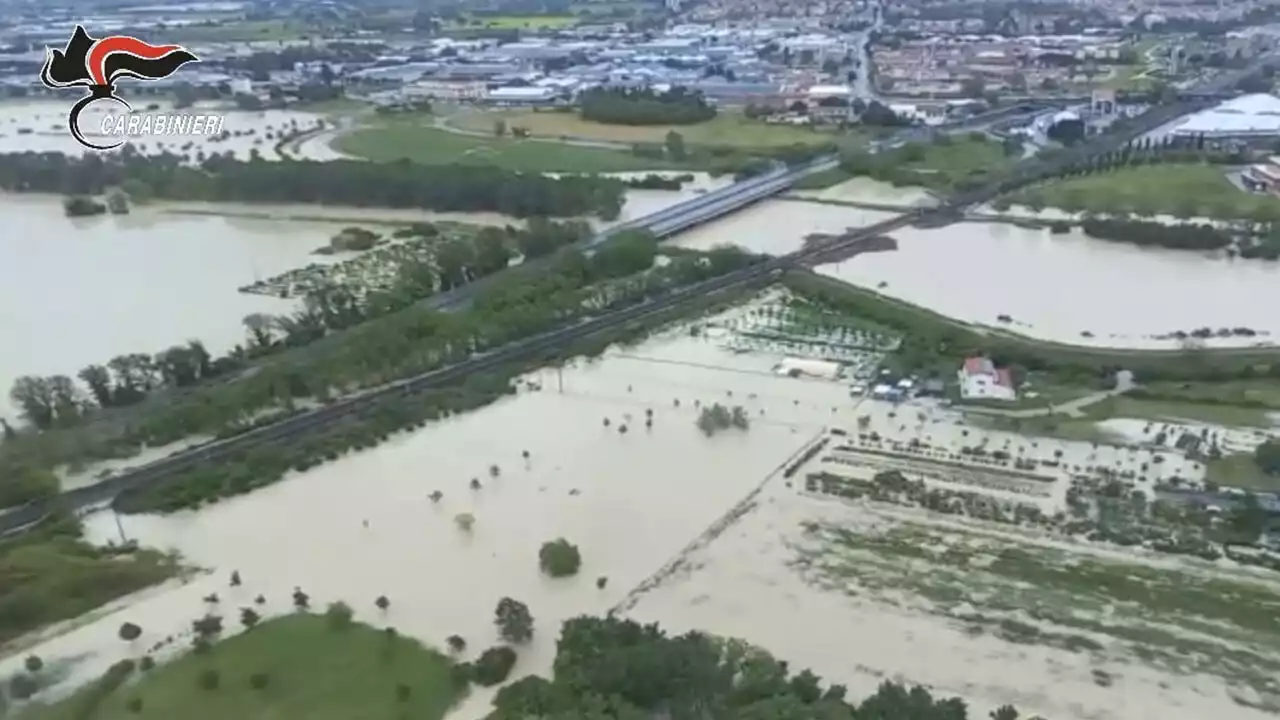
(523, 96)
(980, 379)
(1247, 117)
(798, 367)
(1264, 177)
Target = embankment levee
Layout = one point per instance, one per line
(717, 528)
(295, 425)
(918, 320)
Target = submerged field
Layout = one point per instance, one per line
(701, 526)
(875, 592)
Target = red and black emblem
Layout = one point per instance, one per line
(98, 64)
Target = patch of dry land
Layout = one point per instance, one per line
(797, 523)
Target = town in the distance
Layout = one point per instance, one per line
(640, 360)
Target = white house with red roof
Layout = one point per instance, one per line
(980, 379)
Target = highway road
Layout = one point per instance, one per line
(663, 223)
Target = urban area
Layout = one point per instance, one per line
(635, 359)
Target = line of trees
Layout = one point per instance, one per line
(127, 379)
(1175, 237)
(614, 669)
(621, 273)
(643, 106)
(932, 164)
(399, 184)
(932, 343)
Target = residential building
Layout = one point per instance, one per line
(980, 379)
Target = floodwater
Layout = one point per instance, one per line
(46, 119)
(745, 585)
(1060, 287)
(83, 290)
(633, 502)
(629, 500)
(777, 227)
(1065, 288)
(169, 272)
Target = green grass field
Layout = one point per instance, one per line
(729, 128)
(45, 579)
(511, 22)
(242, 31)
(1168, 189)
(313, 670)
(1240, 471)
(425, 144)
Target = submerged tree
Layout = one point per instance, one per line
(514, 622)
(559, 558)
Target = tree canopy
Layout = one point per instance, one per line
(358, 183)
(643, 106)
(610, 668)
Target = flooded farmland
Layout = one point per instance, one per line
(1064, 288)
(82, 290)
(825, 583)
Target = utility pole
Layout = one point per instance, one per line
(120, 527)
(560, 379)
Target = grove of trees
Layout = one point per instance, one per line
(614, 669)
(620, 273)
(643, 106)
(360, 183)
(1176, 237)
(514, 622)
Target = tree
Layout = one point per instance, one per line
(1267, 457)
(22, 687)
(34, 397)
(493, 666)
(209, 679)
(1005, 712)
(456, 643)
(338, 615)
(301, 600)
(675, 145)
(559, 558)
(33, 664)
(514, 622)
(382, 603)
(130, 632)
(259, 326)
(99, 381)
(249, 618)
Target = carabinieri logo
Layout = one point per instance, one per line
(97, 64)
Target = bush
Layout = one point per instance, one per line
(209, 679)
(403, 692)
(456, 643)
(559, 558)
(134, 705)
(146, 663)
(494, 665)
(515, 623)
(22, 687)
(339, 615)
(130, 632)
(33, 664)
(259, 681)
